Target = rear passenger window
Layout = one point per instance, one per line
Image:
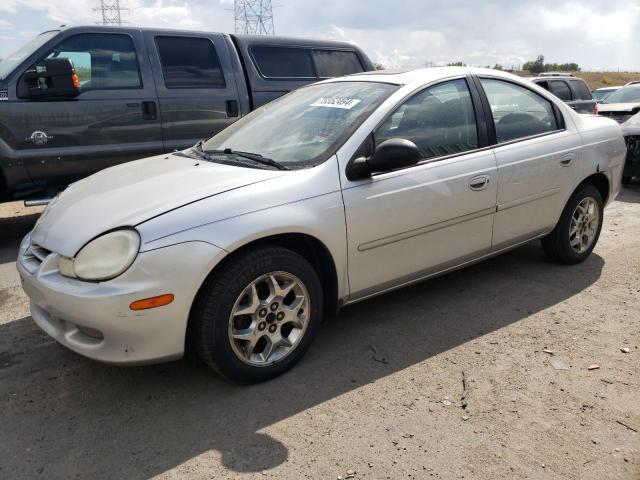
(581, 89)
(283, 62)
(189, 62)
(560, 89)
(102, 61)
(517, 111)
(440, 120)
(335, 63)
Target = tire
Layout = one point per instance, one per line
(228, 291)
(558, 244)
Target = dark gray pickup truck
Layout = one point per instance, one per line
(76, 100)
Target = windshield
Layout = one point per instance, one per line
(624, 95)
(9, 63)
(306, 126)
(601, 94)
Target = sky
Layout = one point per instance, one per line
(596, 34)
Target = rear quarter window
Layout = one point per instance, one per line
(581, 89)
(336, 63)
(283, 62)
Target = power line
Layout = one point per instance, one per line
(253, 17)
(111, 12)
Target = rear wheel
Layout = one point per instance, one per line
(577, 232)
(255, 319)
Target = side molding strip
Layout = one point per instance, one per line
(426, 229)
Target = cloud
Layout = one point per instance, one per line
(399, 34)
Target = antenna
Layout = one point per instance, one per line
(111, 12)
(253, 17)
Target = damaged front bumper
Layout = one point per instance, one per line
(632, 164)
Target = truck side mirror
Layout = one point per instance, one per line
(57, 79)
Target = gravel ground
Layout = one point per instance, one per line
(340, 413)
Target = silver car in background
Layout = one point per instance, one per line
(336, 192)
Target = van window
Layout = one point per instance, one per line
(103, 61)
(560, 89)
(283, 62)
(581, 89)
(189, 62)
(517, 111)
(440, 120)
(336, 63)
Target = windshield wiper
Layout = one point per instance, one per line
(256, 157)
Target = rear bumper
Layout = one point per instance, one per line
(94, 319)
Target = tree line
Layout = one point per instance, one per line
(538, 65)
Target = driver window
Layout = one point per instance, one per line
(102, 61)
(440, 120)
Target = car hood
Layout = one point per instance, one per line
(631, 126)
(131, 193)
(617, 107)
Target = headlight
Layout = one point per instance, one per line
(104, 258)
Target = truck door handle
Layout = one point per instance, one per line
(149, 110)
(232, 108)
(479, 183)
(566, 160)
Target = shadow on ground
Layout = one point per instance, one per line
(65, 416)
(12, 230)
(630, 193)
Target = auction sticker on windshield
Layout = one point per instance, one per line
(345, 103)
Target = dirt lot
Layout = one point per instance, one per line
(340, 412)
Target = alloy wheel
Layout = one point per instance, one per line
(583, 227)
(269, 318)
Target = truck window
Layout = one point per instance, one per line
(102, 61)
(336, 63)
(581, 89)
(189, 62)
(283, 62)
(560, 89)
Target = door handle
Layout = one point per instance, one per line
(232, 108)
(149, 110)
(479, 182)
(566, 160)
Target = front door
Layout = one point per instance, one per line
(196, 86)
(405, 224)
(111, 121)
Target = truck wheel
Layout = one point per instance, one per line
(256, 318)
(578, 229)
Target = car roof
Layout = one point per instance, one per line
(546, 78)
(423, 75)
(608, 88)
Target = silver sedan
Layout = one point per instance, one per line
(334, 193)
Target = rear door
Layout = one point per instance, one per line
(113, 120)
(583, 100)
(196, 86)
(538, 157)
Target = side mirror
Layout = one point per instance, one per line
(57, 79)
(390, 155)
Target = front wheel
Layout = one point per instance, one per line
(257, 316)
(578, 229)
